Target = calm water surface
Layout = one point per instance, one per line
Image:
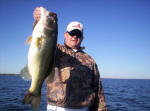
(120, 94)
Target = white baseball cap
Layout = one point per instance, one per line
(74, 25)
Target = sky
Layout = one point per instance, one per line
(116, 33)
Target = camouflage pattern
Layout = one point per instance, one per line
(76, 81)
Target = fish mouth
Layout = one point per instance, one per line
(51, 18)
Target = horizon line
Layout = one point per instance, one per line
(101, 77)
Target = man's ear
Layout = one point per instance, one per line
(65, 35)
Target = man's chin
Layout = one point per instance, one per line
(74, 45)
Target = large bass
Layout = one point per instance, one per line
(41, 55)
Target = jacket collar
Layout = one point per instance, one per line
(80, 49)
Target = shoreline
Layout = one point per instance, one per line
(10, 74)
(101, 78)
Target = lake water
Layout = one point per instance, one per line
(120, 94)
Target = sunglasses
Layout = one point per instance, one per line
(75, 33)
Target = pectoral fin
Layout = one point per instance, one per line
(39, 42)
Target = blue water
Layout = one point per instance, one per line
(120, 94)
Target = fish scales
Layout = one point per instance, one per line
(41, 55)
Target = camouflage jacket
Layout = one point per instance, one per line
(75, 82)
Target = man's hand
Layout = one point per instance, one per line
(37, 14)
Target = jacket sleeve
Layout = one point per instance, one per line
(99, 101)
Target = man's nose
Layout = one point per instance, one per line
(74, 36)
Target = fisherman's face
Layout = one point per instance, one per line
(73, 39)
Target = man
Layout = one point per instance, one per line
(75, 84)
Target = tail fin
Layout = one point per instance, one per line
(32, 99)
